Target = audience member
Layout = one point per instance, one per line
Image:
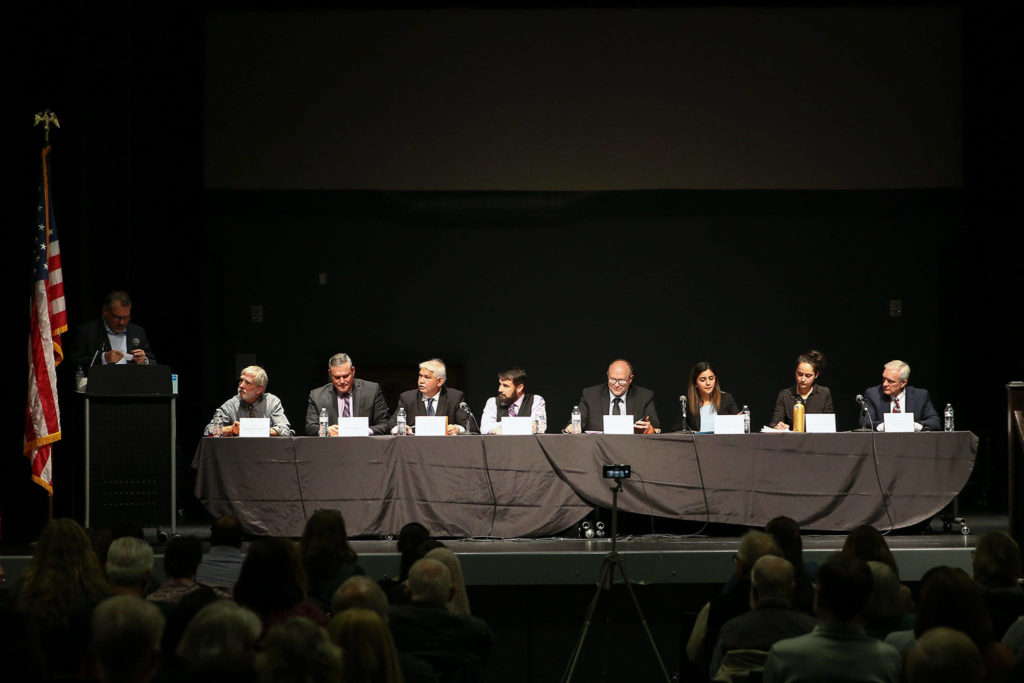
(715, 613)
(459, 604)
(451, 643)
(129, 566)
(996, 573)
(64, 574)
(884, 612)
(297, 651)
(126, 636)
(944, 655)
(327, 557)
(272, 584)
(786, 533)
(949, 598)
(837, 649)
(221, 565)
(181, 560)
(744, 641)
(369, 650)
(867, 543)
(361, 592)
(221, 628)
(410, 538)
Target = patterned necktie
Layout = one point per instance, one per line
(512, 410)
(430, 406)
(616, 409)
(896, 405)
(252, 409)
(345, 400)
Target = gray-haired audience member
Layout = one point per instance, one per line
(945, 655)
(221, 628)
(222, 563)
(298, 651)
(708, 624)
(837, 649)
(744, 641)
(426, 627)
(996, 565)
(126, 634)
(129, 565)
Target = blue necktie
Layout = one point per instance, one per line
(430, 406)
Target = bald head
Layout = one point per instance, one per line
(771, 577)
(430, 582)
(360, 591)
(620, 376)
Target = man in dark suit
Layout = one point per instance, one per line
(113, 339)
(432, 397)
(894, 396)
(346, 396)
(618, 397)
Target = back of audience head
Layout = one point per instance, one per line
(459, 604)
(129, 563)
(64, 572)
(126, 634)
(362, 592)
(771, 577)
(786, 533)
(997, 560)
(753, 546)
(410, 538)
(950, 598)
(885, 600)
(843, 588)
(182, 557)
(226, 530)
(867, 543)
(298, 651)
(945, 655)
(430, 583)
(271, 577)
(324, 544)
(369, 654)
(221, 628)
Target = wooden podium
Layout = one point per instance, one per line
(130, 427)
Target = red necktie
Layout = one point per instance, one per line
(896, 405)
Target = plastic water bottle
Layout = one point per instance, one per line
(215, 428)
(400, 420)
(80, 380)
(746, 419)
(948, 415)
(323, 422)
(577, 420)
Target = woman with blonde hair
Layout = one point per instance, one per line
(368, 650)
(459, 604)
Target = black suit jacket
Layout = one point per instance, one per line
(90, 337)
(820, 401)
(728, 406)
(448, 401)
(594, 405)
(367, 401)
(917, 402)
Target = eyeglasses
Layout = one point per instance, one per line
(619, 382)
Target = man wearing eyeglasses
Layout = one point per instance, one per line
(113, 339)
(618, 397)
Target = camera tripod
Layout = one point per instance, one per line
(609, 564)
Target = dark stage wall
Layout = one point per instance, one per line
(558, 281)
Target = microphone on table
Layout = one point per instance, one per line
(864, 412)
(463, 406)
(682, 408)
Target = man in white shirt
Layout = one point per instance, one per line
(513, 401)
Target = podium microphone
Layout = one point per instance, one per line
(469, 412)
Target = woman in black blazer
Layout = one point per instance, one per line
(704, 393)
(816, 398)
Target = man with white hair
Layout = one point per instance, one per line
(894, 395)
(252, 400)
(432, 397)
(129, 566)
(126, 633)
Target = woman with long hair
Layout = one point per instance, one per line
(368, 650)
(705, 399)
(272, 584)
(327, 557)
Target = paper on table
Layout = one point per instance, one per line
(254, 426)
(516, 426)
(618, 424)
(898, 422)
(431, 425)
(353, 426)
(728, 424)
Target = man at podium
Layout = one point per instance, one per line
(113, 339)
(252, 400)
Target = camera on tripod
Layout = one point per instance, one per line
(616, 471)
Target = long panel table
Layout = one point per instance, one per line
(519, 486)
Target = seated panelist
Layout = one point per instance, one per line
(894, 395)
(346, 396)
(816, 398)
(252, 400)
(618, 396)
(705, 399)
(513, 401)
(432, 397)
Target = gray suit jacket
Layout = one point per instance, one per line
(367, 401)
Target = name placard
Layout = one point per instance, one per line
(820, 423)
(353, 426)
(516, 426)
(431, 425)
(728, 424)
(898, 422)
(618, 424)
(254, 426)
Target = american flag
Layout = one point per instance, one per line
(48, 320)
